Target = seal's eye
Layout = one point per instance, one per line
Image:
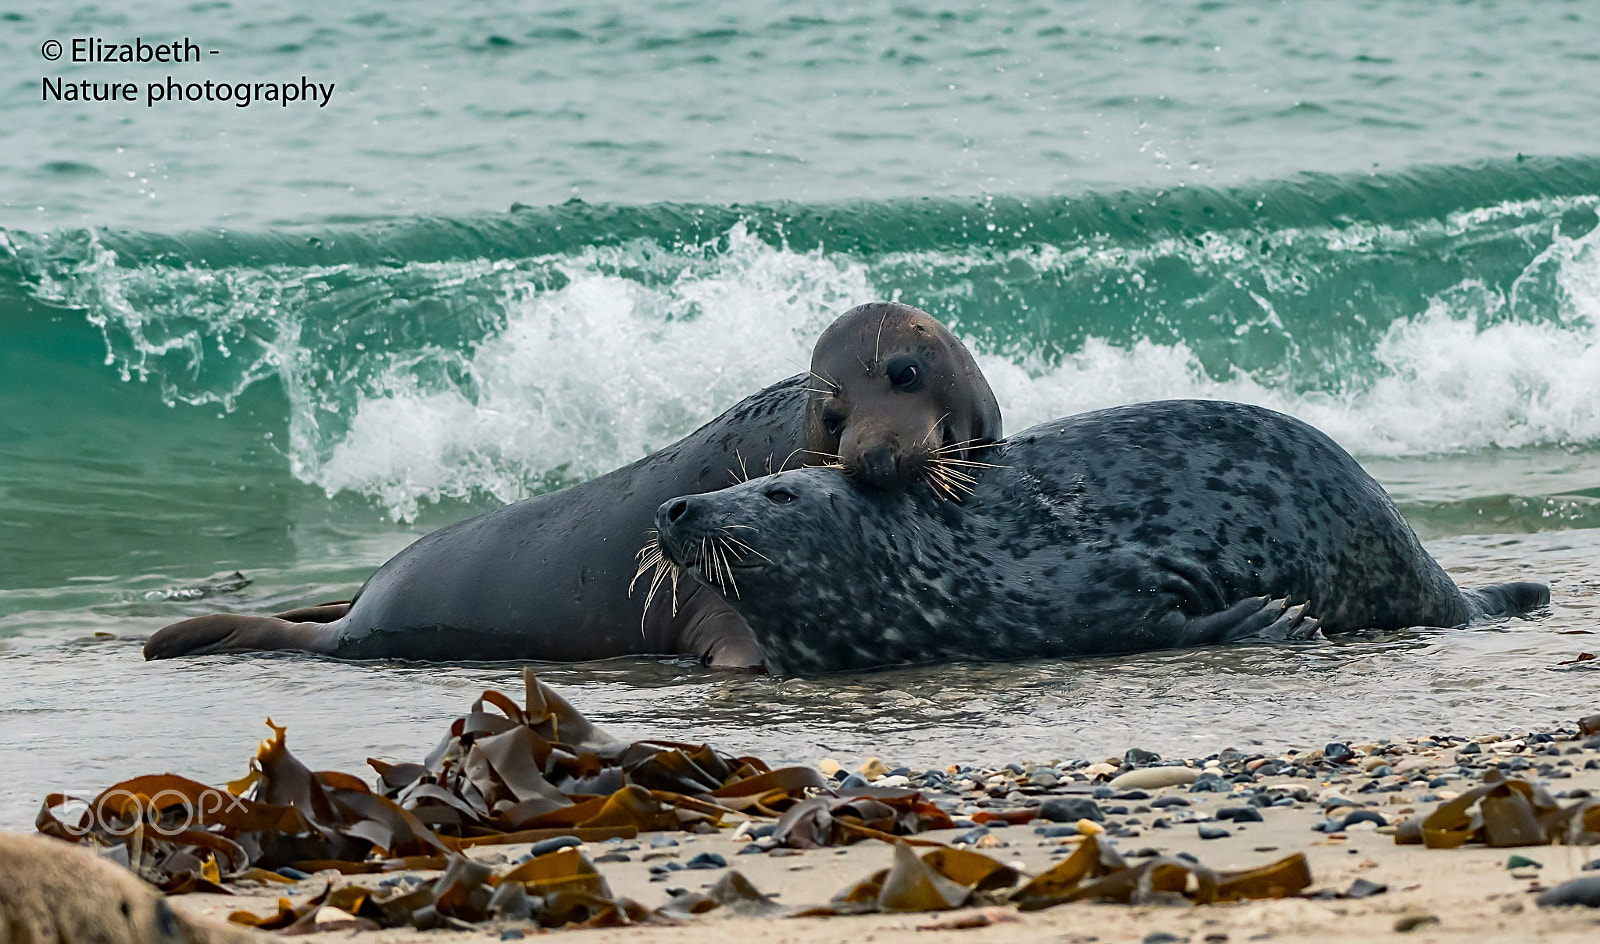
(833, 422)
(779, 496)
(904, 373)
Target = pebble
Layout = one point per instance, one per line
(547, 846)
(1154, 778)
(1213, 832)
(1071, 809)
(873, 768)
(1414, 920)
(663, 842)
(1240, 814)
(1138, 757)
(1365, 816)
(1210, 783)
(828, 766)
(1579, 891)
(706, 860)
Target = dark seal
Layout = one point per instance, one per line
(891, 395)
(1153, 526)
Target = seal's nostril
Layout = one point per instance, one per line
(676, 511)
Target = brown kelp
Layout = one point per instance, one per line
(504, 773)
(1503, 812)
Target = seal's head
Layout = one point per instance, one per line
(898, 399)
(801, 555)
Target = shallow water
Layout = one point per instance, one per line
(228, 344)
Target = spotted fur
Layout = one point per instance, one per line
(1121, 530)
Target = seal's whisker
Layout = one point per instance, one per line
(933, 427)
(785, 463)
(956, 475)
(936, 482)
(649, 556)
(653, 556)
(727, 568)
(966, 463)
(953, 482)
(824, 455)
(960, 446)
(744, 548)
(833, 385)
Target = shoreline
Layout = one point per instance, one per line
(1427, 894)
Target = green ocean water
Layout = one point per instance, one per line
(523, 245)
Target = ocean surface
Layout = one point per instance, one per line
(247, 354)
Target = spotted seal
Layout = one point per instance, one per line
(1152, 526)
(891, 396)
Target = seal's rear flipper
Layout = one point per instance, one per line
(1507, 599)
(228, 632)
(321, 613)
(1250, 618)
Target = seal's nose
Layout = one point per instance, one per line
(676, 513)
(876, 464)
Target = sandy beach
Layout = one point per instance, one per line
(1410, 892)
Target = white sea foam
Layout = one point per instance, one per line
(593, 375)
(1460, 376)
(585, 361)
(607, 369)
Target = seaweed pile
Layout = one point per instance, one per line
(947, 878)
(1503, 812)
(541, 773)
(503, 774)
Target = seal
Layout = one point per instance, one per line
(54, 891)
(892, 397)
(1153, 526)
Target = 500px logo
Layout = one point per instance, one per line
(123, 812)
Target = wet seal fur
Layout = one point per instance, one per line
(52, 891)
(892, 396)
(1152, 526)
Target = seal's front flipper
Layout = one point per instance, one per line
(228, 632)
(1250, 618)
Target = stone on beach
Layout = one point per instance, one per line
(1154, 778)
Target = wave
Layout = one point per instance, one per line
(1439, 310)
